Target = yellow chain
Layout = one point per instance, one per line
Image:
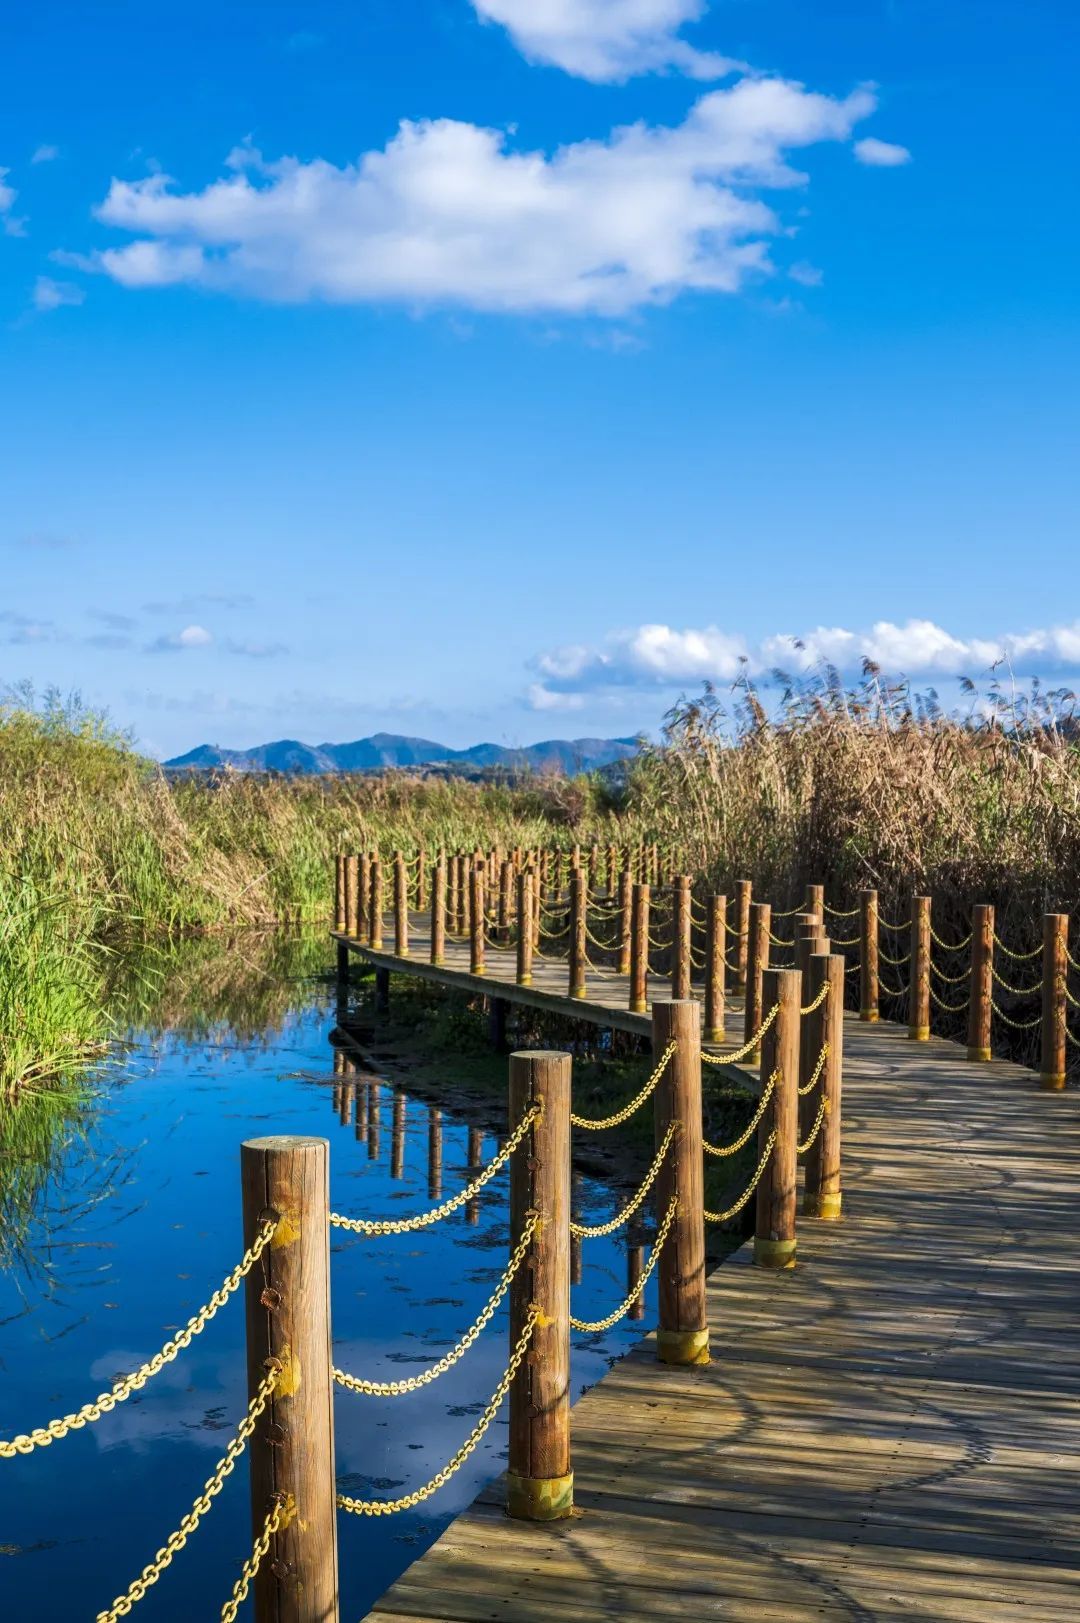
(747, 1048)
(732, 1211)
(818, 1068)
(818, 1001)
(949, 1008)
(42, 1436)
(841, 913)
(823, 1111)
(950, 980)
(635, 1103)
(1017, 991)
(778, 940)
(406, 1225)
(585, 1231)
(1017, 1025)
(1018, 957)
(722, 1150)
(1069, 997)
(896, 928)
(790, 912)
(397, 1389)
(849, 941)
(605, 946)
(594, 1327)
(950, 946)
(897, 963)
(150, 1574)
(251, 1566)
(1072, 960)
(409, 1501)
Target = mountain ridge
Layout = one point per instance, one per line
(389, 751)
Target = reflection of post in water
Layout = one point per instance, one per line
(575, 1239)
(348, 1095)
(434, 1143)
(363, 1098)
(339, 1072)
(635, 1267)
(397, 1136)
(476, 1151)
(374, 1122)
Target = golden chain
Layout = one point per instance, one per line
(596, 1326)
(778, 940)
(949, 1008)
(409, 1501)
(1017, 1025)
(721, 1150)
(896, 928)
(1071, 1038)
(150, 1574)
(732, 1211)
(405, 1225)
(897, 963)
(1017, 991)
(790, 912)
(841, 913)
(605, 946)
(584, 1231)
(818, 1001)
(823, 1111)
(889, 991)
(818, 1068)
(251, 1566)
(635, 1103)
(397, 1389)
(1072, 960)
(950, 946)
(747, 1048)
(42, 1436)
(849, 941)
(950, 980)
(1018, 957)
(1069, 997)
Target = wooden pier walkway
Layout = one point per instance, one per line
(890, 1431)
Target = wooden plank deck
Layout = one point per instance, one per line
(891, 1431)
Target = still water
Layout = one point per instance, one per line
(133, 1222)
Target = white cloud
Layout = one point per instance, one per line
(881, 154)
(189, 637)
(51, 295)
(652, 656)
(449, 212)
(606, 40)
(12, 225)
(45, 154)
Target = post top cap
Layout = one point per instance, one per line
(541, 1053)
(285, 1141)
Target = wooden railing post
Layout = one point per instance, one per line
(715, 968)
(757, 959)
(525, 881)
(744, 891)
(540, 1480)
(680, 937)
(506, 880)
(576, 954)
(774, 1229)
(815, 902)
(287, 1296)
(339, 893)
(639, 951)
(438, 912)
(376, 909)
(421, 879)
(363, 893)
(591, 872)
(350, 895)
(462, 922)
(477, 910)
(821, 1187)
(401, 906)
(451, 894)
(982, 982)
(626, 909)
(683, 1335)
(611, 872)
(919, 1001)
(869, 996)
(1055, 966)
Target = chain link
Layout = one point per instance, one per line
(950, 946)
(596, 1326)
(841, 913)
(818, 1068)
(733, 1211)
(846, 941)
(397, 1389)
(1017, 991)
(635, 1103)
(949, 1008)
(150, 1574)
(897, 963)
(405, 1225)
(818, 1001)
(409, 1501)
(584, 1231)
(950, 980)
(823, 1111)
(778, 940)
(722, 1150)
(895, 928)
(1017, 1025)
(251, 1566)
(42, 1436)
(747, 1048)
(1017, 957)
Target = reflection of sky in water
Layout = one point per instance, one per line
(144, 1223)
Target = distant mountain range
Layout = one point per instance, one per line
(388, 750)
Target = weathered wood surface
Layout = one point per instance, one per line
(890, 1431)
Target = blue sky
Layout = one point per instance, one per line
(501, 368)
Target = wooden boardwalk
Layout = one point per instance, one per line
(891, 1431)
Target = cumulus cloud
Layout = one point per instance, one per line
(881, 154)
(606, 40)
(179, 641)
(450, 212)
(51, 295)
(654, 656)
(11, 224)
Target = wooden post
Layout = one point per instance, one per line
(743, 901)
(376, 911)
(339, 893)
(363, 893)
(757, 959)
(540, 1481)
(434, 1153)
(438, 912)
(635, 1267)
(477, 908)
(1055, 964)
(421, 879)
(774, 1231)
(525, 882)
(291, 1453)
(506, 880)
(815, 902)
(611, 872)
(868, 955)
(680, 937)
(577, 954)
(715, 968)
(397, 1134)
(591, 873)
(626, 910)
(639, 951)
(919, 1001)
(821, 1188)
(350, 895)
(451, 895)
(982, 982)
(462, 893)
(683, 1333)
(401, 906)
